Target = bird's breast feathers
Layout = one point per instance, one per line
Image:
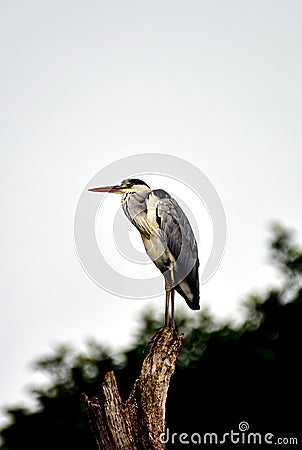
(140, 209)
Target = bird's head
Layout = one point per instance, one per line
(129, 185)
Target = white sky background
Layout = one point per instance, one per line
(85, 83)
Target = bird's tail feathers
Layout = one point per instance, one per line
(189, 288)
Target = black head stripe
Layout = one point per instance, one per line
(134, 181)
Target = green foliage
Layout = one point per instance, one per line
(223, 375)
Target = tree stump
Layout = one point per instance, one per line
(140, 421)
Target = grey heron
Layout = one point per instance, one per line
(167, 236)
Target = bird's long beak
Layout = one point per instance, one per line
(111, 189)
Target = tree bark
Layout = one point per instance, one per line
(139, 422)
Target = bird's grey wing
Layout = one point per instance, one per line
(176, 230)
(176, 227)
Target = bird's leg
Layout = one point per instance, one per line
(167, 307)
(172, 299)
(168, 292)
(172, 308)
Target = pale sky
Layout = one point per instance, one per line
(83, 84)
